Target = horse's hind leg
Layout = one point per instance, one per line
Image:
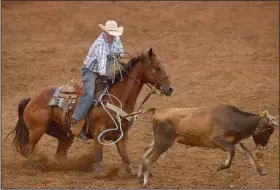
(35, 117)
(37, 122)
(64, 142)
(35, 135)
(63, 146)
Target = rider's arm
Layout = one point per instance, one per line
(120, 48)
(102, 56)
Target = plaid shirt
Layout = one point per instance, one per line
(100, 57)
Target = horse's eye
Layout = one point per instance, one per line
(158, 68)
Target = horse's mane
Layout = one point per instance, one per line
(126, 67)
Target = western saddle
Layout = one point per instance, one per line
(71, 93)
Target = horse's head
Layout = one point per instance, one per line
(155, 74)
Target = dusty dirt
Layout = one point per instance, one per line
(215, 52)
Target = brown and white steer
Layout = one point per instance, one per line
(219, 126)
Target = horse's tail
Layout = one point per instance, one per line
(21, 132)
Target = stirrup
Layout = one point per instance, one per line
(77, 127)
(83, 136)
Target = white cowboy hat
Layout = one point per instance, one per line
(112, 28)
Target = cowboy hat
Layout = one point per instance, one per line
(112, 28)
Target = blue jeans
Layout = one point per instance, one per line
(86, 100)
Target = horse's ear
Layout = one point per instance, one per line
(151, 52)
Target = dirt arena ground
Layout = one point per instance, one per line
(215, 52)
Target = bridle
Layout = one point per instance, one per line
(153, 91)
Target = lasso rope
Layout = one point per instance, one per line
(116, 124)
(106, 92)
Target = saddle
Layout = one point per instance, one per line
(71, 93)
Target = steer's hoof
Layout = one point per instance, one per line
(221, 167)
(146, 185)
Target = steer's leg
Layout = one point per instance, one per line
(225, 145)
(164, 136)
(243, 150)
(145, 153)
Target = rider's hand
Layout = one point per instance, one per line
(119, 55)
(103, 79)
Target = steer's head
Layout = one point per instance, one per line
(264, 130)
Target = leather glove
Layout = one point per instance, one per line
(119, 55)
(103, 79)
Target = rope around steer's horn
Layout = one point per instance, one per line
(272, 120)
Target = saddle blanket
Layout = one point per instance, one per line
(59, 101)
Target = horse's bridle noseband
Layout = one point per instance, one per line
(154, 70)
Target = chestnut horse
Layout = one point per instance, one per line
(36, 117)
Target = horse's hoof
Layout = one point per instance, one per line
(97, 171)
(261, 172)
(61, 158)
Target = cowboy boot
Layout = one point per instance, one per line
(76, 129)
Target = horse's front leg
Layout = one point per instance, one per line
(122, 149)
(98, 153)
